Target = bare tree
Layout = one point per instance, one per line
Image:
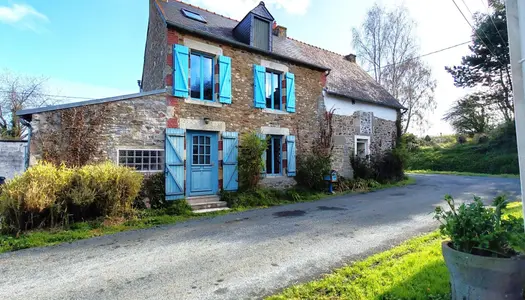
(386, 45)
(18, 92)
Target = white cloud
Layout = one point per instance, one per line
(237, 9)
(23, 16)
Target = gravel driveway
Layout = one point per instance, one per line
(237, 256)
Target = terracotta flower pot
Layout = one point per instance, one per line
(475, 277)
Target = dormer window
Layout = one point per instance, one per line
(193, 15)
(261, 34)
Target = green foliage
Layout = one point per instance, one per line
(311, 169)
(47, 196)
(471, 115)
(153, 189)
(250, 160)
(384, 168)
(476, 229)
(178, 208)
(461, 139)
(480, 138)
(263, 197)
(428, 138)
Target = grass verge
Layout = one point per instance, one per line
(413, 270)
(462, 173)
(145, 219)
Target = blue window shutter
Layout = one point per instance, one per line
(174, 169)
(225, 79)
(262, 136)
(230, 174)
(259, 85)
(290, 148)
(181, 56)
(290, 92)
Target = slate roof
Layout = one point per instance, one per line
(346, 78)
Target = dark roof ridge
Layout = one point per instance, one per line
(299, 41)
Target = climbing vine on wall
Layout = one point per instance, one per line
(73, 136)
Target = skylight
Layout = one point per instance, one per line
(193, 15)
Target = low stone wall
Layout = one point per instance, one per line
(12, 158)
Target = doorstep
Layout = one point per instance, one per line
(206, 203)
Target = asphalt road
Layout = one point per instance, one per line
(237, 256)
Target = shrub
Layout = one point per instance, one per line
(428, 138)
(250, 162)
(311, 170)
(480, 138)
(178, 207)
(46, 195)
(461, 139)
(384, 168)
(153, 189)
(476, 229)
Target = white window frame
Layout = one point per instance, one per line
(143, 149)
(367, 144)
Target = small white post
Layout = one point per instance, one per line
(516, 33)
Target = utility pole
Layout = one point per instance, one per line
(516, 32)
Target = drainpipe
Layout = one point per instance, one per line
(29, 133)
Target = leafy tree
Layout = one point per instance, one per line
(488, 65)
(470, 115)
(385, 43)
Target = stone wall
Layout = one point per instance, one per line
(382, 135)
(136, 123)
(155, 52)
(12, 158)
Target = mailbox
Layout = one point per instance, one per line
(331, 177)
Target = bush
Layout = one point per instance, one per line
(47, 196)
(384, 168)
(480, 138)
(473, 228)
(461, 139)
(154, 190)
(250, 162)
(265, 197)
(311, 169)
(428, 138)
(178, 207)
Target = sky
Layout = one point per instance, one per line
(95, 48)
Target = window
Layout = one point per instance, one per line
(362, 146)
(261, 34)
(273, 155)
(201, 78)
(201, 154)
(142, 160)
(273, 90)
(193, 15)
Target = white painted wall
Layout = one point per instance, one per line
(12, 158)
(344, 107)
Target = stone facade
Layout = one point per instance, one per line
(155, 52)
(12, 158)
(382, 134)
(136, 123)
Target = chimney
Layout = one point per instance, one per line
(279, 31)
(350, 57)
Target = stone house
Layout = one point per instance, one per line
(207, 79)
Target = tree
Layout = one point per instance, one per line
(386, 45)
(488, 66)
(470, 115)
(18, 92)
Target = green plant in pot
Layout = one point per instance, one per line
(483, 255)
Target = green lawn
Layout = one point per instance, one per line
(145, 219)
(462, 173)
(412, 270)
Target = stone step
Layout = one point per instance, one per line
(207, 210)
(207, 205)
(203, 199)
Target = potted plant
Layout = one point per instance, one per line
(483, 253)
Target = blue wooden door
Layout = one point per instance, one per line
(202, 163)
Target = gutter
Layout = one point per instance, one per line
(400, 107)
(247, 47)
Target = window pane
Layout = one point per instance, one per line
(276, 155)
(195, 149)
(269, 158)
(138, 160)
(276, 92)
(130, 160)
(145, 160)
(122, 160)
(208, 150)
(195, 79)
(201, 159)
(269, 90)
(138, 153)
(207, 140)
(195, 159)
(207, 159)
(146, 153)
(130, 153)
(201, 149)
(201, 140)
(121, 153)
(207, 76)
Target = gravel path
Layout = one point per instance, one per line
(237, 256)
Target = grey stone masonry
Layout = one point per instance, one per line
(12, 158)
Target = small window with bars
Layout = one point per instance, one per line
(144, 160)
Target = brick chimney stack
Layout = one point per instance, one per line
(279, 31)
(350, 57)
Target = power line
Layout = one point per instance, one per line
(483, 31)
(426, 54)
(54, 96)
(475, 31)
(492, 20)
